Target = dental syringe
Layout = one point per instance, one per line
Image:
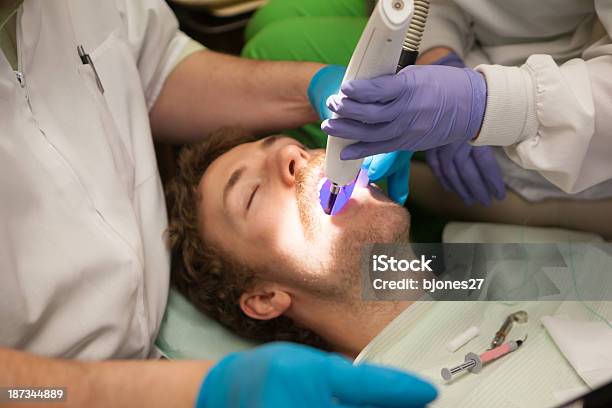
(474, 362)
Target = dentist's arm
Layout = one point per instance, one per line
(208, 90)
(275, 376)
(105, 384)
(190, 97)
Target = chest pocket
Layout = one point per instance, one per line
(116, 127)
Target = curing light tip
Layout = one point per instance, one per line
(334, 190)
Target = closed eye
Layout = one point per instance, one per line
(252, 197)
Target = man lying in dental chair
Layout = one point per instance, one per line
(253, 249)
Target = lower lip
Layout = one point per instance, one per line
(357, 200)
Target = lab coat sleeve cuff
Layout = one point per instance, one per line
(170, 60)
(510, 115)
(191, 47)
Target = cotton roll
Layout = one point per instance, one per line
(456, 343)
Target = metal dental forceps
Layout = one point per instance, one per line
(517, 317)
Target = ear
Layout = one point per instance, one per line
(265, 303)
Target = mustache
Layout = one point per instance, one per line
(306, 181)
(308, 176)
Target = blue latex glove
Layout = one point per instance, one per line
(287, 375)
(395, 167)
(325, 83)
(419, 108)
(470, 171)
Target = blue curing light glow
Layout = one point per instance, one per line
(345, 192)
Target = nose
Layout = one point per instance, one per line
(287, 160)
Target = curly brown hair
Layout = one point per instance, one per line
(213, 280)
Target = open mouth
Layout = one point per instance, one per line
(333, 206)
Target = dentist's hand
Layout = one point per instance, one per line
(287, 375)
(395, 167)
(419, 108)
(470, 171)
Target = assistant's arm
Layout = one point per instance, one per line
(209, 90)
(553, 119)
(106, 384)
(556, 119)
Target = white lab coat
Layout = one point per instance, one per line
(84, 271)
(550, 99)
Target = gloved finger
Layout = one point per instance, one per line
(473, 180)
(431, 156)
(381, 165)
(367, 162)
(363, 112)
(489, 168)
(362, 149)
(451, 174)
(341, 405)
(352, 129)
(398, 184)
(382, 89)
(367, 384)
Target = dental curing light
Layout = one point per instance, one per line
(393, 33)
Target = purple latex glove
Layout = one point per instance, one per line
(470, 171)
(450, 60)
(419, 108)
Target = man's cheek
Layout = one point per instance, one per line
(264, 231)
(284, 226)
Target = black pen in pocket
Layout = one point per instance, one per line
(86, 60)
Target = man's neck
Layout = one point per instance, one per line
(349, 326)
(348, 322)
